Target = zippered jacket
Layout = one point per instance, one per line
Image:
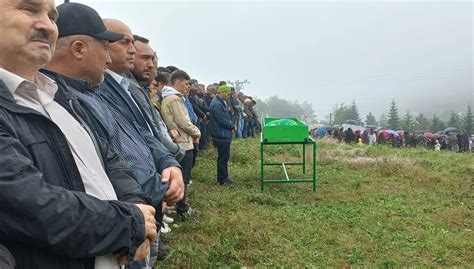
(220, 125)
(46, 218)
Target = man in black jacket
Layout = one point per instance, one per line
(118, 95)
(58, 207)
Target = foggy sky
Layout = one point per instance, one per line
(325, 52)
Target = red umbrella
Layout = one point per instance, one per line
(428, 135)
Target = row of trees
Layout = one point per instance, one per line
(420, 122)
(277, 107)
(408, 122)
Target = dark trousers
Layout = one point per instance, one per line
(223, 155)
(186, 164)
(204, 134)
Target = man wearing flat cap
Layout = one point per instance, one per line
(221, 128)
(60, 185)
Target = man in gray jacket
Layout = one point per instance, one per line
(142, 75)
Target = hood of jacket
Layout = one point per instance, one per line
(167, 91)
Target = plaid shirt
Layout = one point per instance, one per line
(124, 139)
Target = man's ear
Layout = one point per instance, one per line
(78, 48)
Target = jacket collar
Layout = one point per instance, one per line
(6, 95)
(65, 93)
(220, 100)
(168, 90)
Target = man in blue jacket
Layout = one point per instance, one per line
(221, 128)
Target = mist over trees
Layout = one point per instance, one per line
(370, 119)
(280, 108)
(343, 112)
(410, 122)
(392, 119)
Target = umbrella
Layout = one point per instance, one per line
(451, 129)
(428, 135)
(321, 132)
(373, 127)
(395, 133)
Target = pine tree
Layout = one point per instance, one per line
(437, 124)
(370, 120)
(468, 121)
(454, 120)
(341, 113)
(408, 123)
(383, 121)
(421, 123)
(355, 112)
(393, 119)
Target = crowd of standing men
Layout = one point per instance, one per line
(97, 141)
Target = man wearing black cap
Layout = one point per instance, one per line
(58, 207)
(70, 67)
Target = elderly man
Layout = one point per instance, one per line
(70, 67)
(118, 91)
(115, 91)
(66, 194)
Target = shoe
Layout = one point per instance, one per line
(167, 219)
(165, 229)
(191, 213)
(225, 184)
(190, 182)
(163, 250)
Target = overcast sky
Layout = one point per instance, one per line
(324, 52)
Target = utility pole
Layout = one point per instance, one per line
(238, 85)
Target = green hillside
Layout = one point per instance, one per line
(374, 206)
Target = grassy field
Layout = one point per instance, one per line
(374, 206)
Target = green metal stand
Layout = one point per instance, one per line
(307, 141)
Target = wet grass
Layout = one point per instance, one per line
(374, 206)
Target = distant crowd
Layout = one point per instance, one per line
(452, 140)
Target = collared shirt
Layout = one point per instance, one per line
(40, 97)
(124, 139)
(125, 83)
